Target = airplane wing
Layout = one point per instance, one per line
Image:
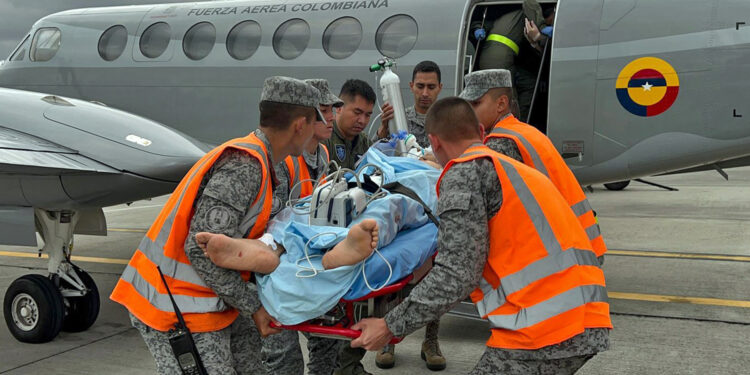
(25, 154)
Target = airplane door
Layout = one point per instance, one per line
(572, 89)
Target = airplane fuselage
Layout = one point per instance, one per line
(632, 92)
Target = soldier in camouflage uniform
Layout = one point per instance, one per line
(348, 142)
(470, 194)
(426, 86)
(287, 111)
(282, 353)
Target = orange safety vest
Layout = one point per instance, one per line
(297, 174)
(141, 290)
(542, 283)
(539, 153)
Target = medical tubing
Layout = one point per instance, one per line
(379, 193)
(390, 272)
(308, 258)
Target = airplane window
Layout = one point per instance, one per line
(396, 36)
(155, 40)
(199, 40)
(45, 44)
(291, 38)
(243, 40)
(112, 42)
(20, 52)
(342, 37)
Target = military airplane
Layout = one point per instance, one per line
(631, 92)
(61, 161)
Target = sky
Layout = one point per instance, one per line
(17, 16)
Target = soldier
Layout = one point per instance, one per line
(347, 143)
(294, 172)
(509, 238)
(282, 353)
(489, 91)
(505, 43)
(425, 85)
(229, 191)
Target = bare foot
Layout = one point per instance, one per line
(357, 246)
(222, 250)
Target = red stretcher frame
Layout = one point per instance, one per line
(343, 331)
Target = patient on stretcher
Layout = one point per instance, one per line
(243, 254)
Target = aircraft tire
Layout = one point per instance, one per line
(34, 309)
(82, 311)
(617, 186)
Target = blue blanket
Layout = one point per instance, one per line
(407, 238)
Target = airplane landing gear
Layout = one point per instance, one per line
(617, 186)
(36, 307)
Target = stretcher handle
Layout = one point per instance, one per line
(331, 332)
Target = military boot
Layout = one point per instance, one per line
(432, 355)
(386, 357)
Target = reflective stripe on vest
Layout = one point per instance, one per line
(539, 153)
(527, 298)
(140, 288)
(297, 173)
(505, 41)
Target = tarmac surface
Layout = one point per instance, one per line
(677, 275)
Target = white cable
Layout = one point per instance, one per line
(314, 271)
(390, 273)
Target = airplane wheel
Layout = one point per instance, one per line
(82, 311)
(617, 186)
(34, 309)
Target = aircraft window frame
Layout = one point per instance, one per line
(20, 52)
(34, 50)
(189, 41)
(329, 33)
(281, 36)
(150, 28)
(380, 35)
(103, 50)
(235, 34)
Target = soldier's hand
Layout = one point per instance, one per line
(263, 322)
(375, 334)
(531, 31)
(386, 116)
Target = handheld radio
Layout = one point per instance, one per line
(182, 342)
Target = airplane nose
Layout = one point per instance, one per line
(169, 169)
(131, 143)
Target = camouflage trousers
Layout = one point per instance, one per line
(282, 354)
(232, 350)
(491, 364)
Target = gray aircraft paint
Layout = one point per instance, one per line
(216, 98)
(67, 154)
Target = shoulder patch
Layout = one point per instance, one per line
(341, 152)
(218, 218)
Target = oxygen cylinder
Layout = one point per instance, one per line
(391, 90)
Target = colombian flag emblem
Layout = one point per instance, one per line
(647, 86)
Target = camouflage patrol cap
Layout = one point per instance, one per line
(289, 90)
(326, 96)
(479, 82)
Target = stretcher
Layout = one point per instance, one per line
(337, 322)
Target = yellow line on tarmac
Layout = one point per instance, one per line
(679, 299)
(666, 254)
(128, 230)
(74, 257)
(613, 295)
